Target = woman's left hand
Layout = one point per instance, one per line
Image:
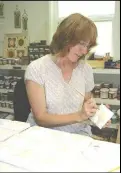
(109, 122)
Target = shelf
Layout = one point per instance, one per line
(108, 101)
(6, 110)
(95, 71)
(10, 67)
(106, 71)
(2, 90)
(114, 126)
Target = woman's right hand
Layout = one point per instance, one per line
(89, 108)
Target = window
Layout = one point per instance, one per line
(101, 12)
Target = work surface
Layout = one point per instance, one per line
(41, 149)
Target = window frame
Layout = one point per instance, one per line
(98, 18)
(54, 20)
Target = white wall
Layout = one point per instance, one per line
(43, 20)
(116, 31)
(53, 18)
(38, 19)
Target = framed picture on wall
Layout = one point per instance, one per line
(15, 45)
(1, 9)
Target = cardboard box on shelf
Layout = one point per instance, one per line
(96, 63)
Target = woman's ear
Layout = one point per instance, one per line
(68, 48)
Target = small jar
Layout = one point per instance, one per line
(106, 85)
(1, 84)
(7, 104)
(41, 49)
(31, 57)
(12, 62)
(4, 96)
(118, 93)
(104, 93)
(4, 61)
(18, 78)
(3, 104)
(14, 77)
(111, 95)
(9, 61)
(13, 84)
(6, 77)
(11, 105)
(1, 61)
(0, 103)
(114, 91)
(7, 84)
(96, 93)
(40, 55)
(36, 56)
(111, 85)
(97, 86)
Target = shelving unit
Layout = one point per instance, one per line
(108, 101)
(10, 67)
(106, 71)
(112, 126)
(98, 100)
(4, 90)
(8, 110)
(109, 76)
(95, 71)
(7, 68)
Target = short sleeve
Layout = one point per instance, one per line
(35, 72)
(89, 78)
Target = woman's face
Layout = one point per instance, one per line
(78, 50)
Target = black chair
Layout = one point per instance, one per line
(20, 102)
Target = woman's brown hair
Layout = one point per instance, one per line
(71, 31)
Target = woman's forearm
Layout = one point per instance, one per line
(53, 120)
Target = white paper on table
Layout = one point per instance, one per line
(46, 150)
(9, 128)
(102, 116)
(5, 134)
(105, 155)
(4, 167)
(13, 125)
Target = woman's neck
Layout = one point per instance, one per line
(64, 62)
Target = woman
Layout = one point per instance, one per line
(59, 85)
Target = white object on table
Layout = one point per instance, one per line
(41, 149)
